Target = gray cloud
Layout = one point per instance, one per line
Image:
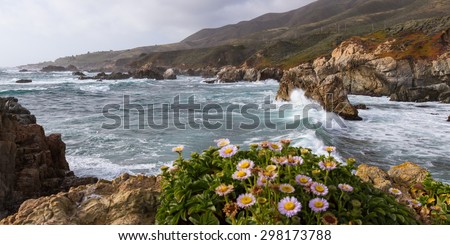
(39, 30)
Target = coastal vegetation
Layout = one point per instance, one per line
(275, 183)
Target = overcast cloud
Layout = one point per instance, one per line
(39, 30)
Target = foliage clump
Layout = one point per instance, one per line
(271, 183)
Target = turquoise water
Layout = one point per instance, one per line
(390, 134)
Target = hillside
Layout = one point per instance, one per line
(274, 39)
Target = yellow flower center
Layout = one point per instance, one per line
(228, 150)
(271, 168)
(246, 200)
(320, 188)
(275, 146)
(303, 180)
(329, 149)
(263, 180)
(318, 204)
(329, 164)
(178, 149)
(223, 188)
(241, 174)
(286, 189)
(245, 164)
(289, 206)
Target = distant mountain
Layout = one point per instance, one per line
(322, 14)
(274, 39)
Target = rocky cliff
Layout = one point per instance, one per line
(31, 163)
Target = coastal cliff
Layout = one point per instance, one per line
(31, 163)
(410, 62)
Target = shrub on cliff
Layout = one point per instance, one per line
(272, 183)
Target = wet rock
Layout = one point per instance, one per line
(271, 73)
(24, 81)
(52, 68)
(230, 74)
(78, 73)
(23, 70)
(361, 107)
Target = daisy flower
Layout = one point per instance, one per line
(271, 168)
(264, 144)
(304, 151)
(345, 187)
(303, 180)
(318, 205)
(328, 165)
(319, 189)
(329, 149)
(286, 188)
(223, 190)
(245, 200)
(279, 160)
(395, 191)
(228, 151)
(286, 142)
(178, 149)
(275, 146)
(245, 164)
(242, 174)
(414, 203)
(289, 206)
(270, 175)
(222, 142)
(262, 181)
(294, 160)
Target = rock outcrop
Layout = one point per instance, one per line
(327, 89)
(232, 74)
(103, 76)
(131, 200)
(52, 68)
(402, 177)
(31, 164)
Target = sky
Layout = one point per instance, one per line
(34, 31)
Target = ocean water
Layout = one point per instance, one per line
(390, 133)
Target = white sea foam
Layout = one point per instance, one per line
(95, 88)
(87, 166)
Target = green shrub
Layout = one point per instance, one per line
(433, 201)
(208, 189)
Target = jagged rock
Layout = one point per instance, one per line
(329, 91)
(271, 73)
(374, 175)
(448, 119)
(230, 74)
(149, 73)
(52, 68)
(24, 81)
(125, 200)
(23, 70)
(169, 74)
(251, 75)
(103, 76)
(78, 73)
(31, 164)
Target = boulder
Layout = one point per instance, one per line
(71, 68)
(24, 81)
(169, 74)
(78, 73)
(361, 107)
(149, 73)
(374, 175)
(127, 200)
(271, 73)
(407, 174)
(251, 75)
(23, 70)
(448, 119)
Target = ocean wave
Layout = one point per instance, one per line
(95, 88)
(86, 166)
(22, 90)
